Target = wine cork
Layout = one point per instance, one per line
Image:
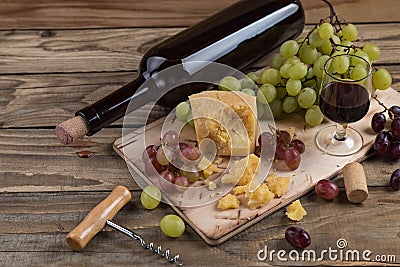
(355, 182)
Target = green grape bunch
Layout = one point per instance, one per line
(292, 80)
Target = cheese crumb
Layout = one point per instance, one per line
(242, 171)
(278, 185)
(228, 202)
(260, 197)
(212, 186)
(295, 211)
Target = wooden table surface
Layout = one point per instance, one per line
(59, 56)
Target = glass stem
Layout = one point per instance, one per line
(340, 133)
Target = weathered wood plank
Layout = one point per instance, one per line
(100, 50)
(34, 161)
(46, 14)
(33, 228)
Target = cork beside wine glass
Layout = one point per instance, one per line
(344, 98)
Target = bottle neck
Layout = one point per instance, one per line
(114, 106)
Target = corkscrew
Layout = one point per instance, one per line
(101, 215)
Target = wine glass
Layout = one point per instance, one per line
(344, 98)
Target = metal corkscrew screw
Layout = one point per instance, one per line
(101, 215)
(150, 246)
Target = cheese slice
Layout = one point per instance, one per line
(227, 118)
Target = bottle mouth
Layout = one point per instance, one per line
(337, 77)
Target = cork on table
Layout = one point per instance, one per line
(58, 57)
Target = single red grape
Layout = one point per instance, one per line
(190, 153)
(394, 111)
(283, 136)
(292, 158)
(171, 138)
(266, 138)
(395, 150)
(166, 181)
(182, 183)
(383, 142)
(395, 128)
(299, 145)
(297, 237)
(395, 180)
(378, 122)
(326, 189)
(280, 150)
(149, 152)
(152, 167)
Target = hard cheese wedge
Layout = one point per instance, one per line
(227, 118)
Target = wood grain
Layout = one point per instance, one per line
(41, 221)
(47, 14)
(32, 160)
(105, 50)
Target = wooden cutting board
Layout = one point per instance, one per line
(216, 226)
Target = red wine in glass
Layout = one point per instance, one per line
(344, 102)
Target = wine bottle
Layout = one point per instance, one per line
(235, 36)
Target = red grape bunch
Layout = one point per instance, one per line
(157, 160)
(387, 141)
(286, 148)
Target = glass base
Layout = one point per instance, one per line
(327, 142)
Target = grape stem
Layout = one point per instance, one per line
(332, 11)
(380, 103)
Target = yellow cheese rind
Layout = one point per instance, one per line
(227, 118)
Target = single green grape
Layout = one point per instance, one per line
(341, 64)
(182, 110)
(326, 47)
(346, 48)
(189, 119)
(359, 61)
(297, 70)
(372, 51)
(284, 71)
(276, 107)
(314, 116)
(289, 104)
(150, 197)
(289, 48)
(350, 32)
(172, 225)
(260, 109)
(319, 64)
(308, 54)
(306, 97)
(249, 91)
(293, 87)
(254, 77)
(292, 60)
(270, 76)
(314, 39)
(229, 83)
(280, 92)
(266, 93)
(277, 62)
(358, 72)
(325, 31)
(381, 79)
(248, 83)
